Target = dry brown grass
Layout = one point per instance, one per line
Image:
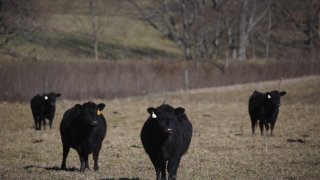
(222, 146)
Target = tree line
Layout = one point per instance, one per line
(201, 29)
(210, 29)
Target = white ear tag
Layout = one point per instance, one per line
(154, 115)
(45, 97)
(269, 97)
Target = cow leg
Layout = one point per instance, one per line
(35, 118)
(157, 166)
(36, 121)
(173, 166)
(253, 124)
(272, 126)
(86, 157)
(267, 127)
(163, 171)
(65, 154)
(95, 159)
(44, 123)
(82, 163)
(261, 127)
(50, 123)
(39, 123)
(83, 159)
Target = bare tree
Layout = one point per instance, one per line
(93, 9)
(249, 18)
(19, 20)
(189, 24)
(174, 19)
(311, 25)
(304, 16)
(268, 29)
(92, 23)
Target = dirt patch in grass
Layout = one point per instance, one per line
(222, 146)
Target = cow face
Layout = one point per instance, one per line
(91, 111)
(273, 98)
(50, 98)
(165, 116)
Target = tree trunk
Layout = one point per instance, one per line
(187, 53)
(243, 39)
(268, 31)
(96, 50)
(94, 29)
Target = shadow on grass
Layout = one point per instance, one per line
(73, 169)
(83, 46)
(296, 140)
(54, 168)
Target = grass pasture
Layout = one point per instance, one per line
(222, 146)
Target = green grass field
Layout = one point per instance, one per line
(222, 146)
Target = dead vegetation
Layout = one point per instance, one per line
(222, 146)
(20, 81)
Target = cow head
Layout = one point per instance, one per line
(50, 98)
(273, 98)
(90, 112)
(164, 116)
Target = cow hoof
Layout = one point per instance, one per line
(96, 168)
(82, 168)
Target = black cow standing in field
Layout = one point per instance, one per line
(166, 136)
(43, 107)
(83, 128)
(265, 108)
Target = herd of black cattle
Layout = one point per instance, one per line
(165, 136)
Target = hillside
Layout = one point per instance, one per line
(42, 30)
(222, 146)
(62, 30)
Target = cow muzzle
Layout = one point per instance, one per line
(168, 131)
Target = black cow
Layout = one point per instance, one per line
(166, 136)
(83, 128)
(265, 108)
(43, 107)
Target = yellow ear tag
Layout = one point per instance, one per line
(98, 112)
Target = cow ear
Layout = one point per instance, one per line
(179, 110)
(78, 106)
(282, 93)
(151, 110)
(58, 95)
(255, 92)
(101, 106)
